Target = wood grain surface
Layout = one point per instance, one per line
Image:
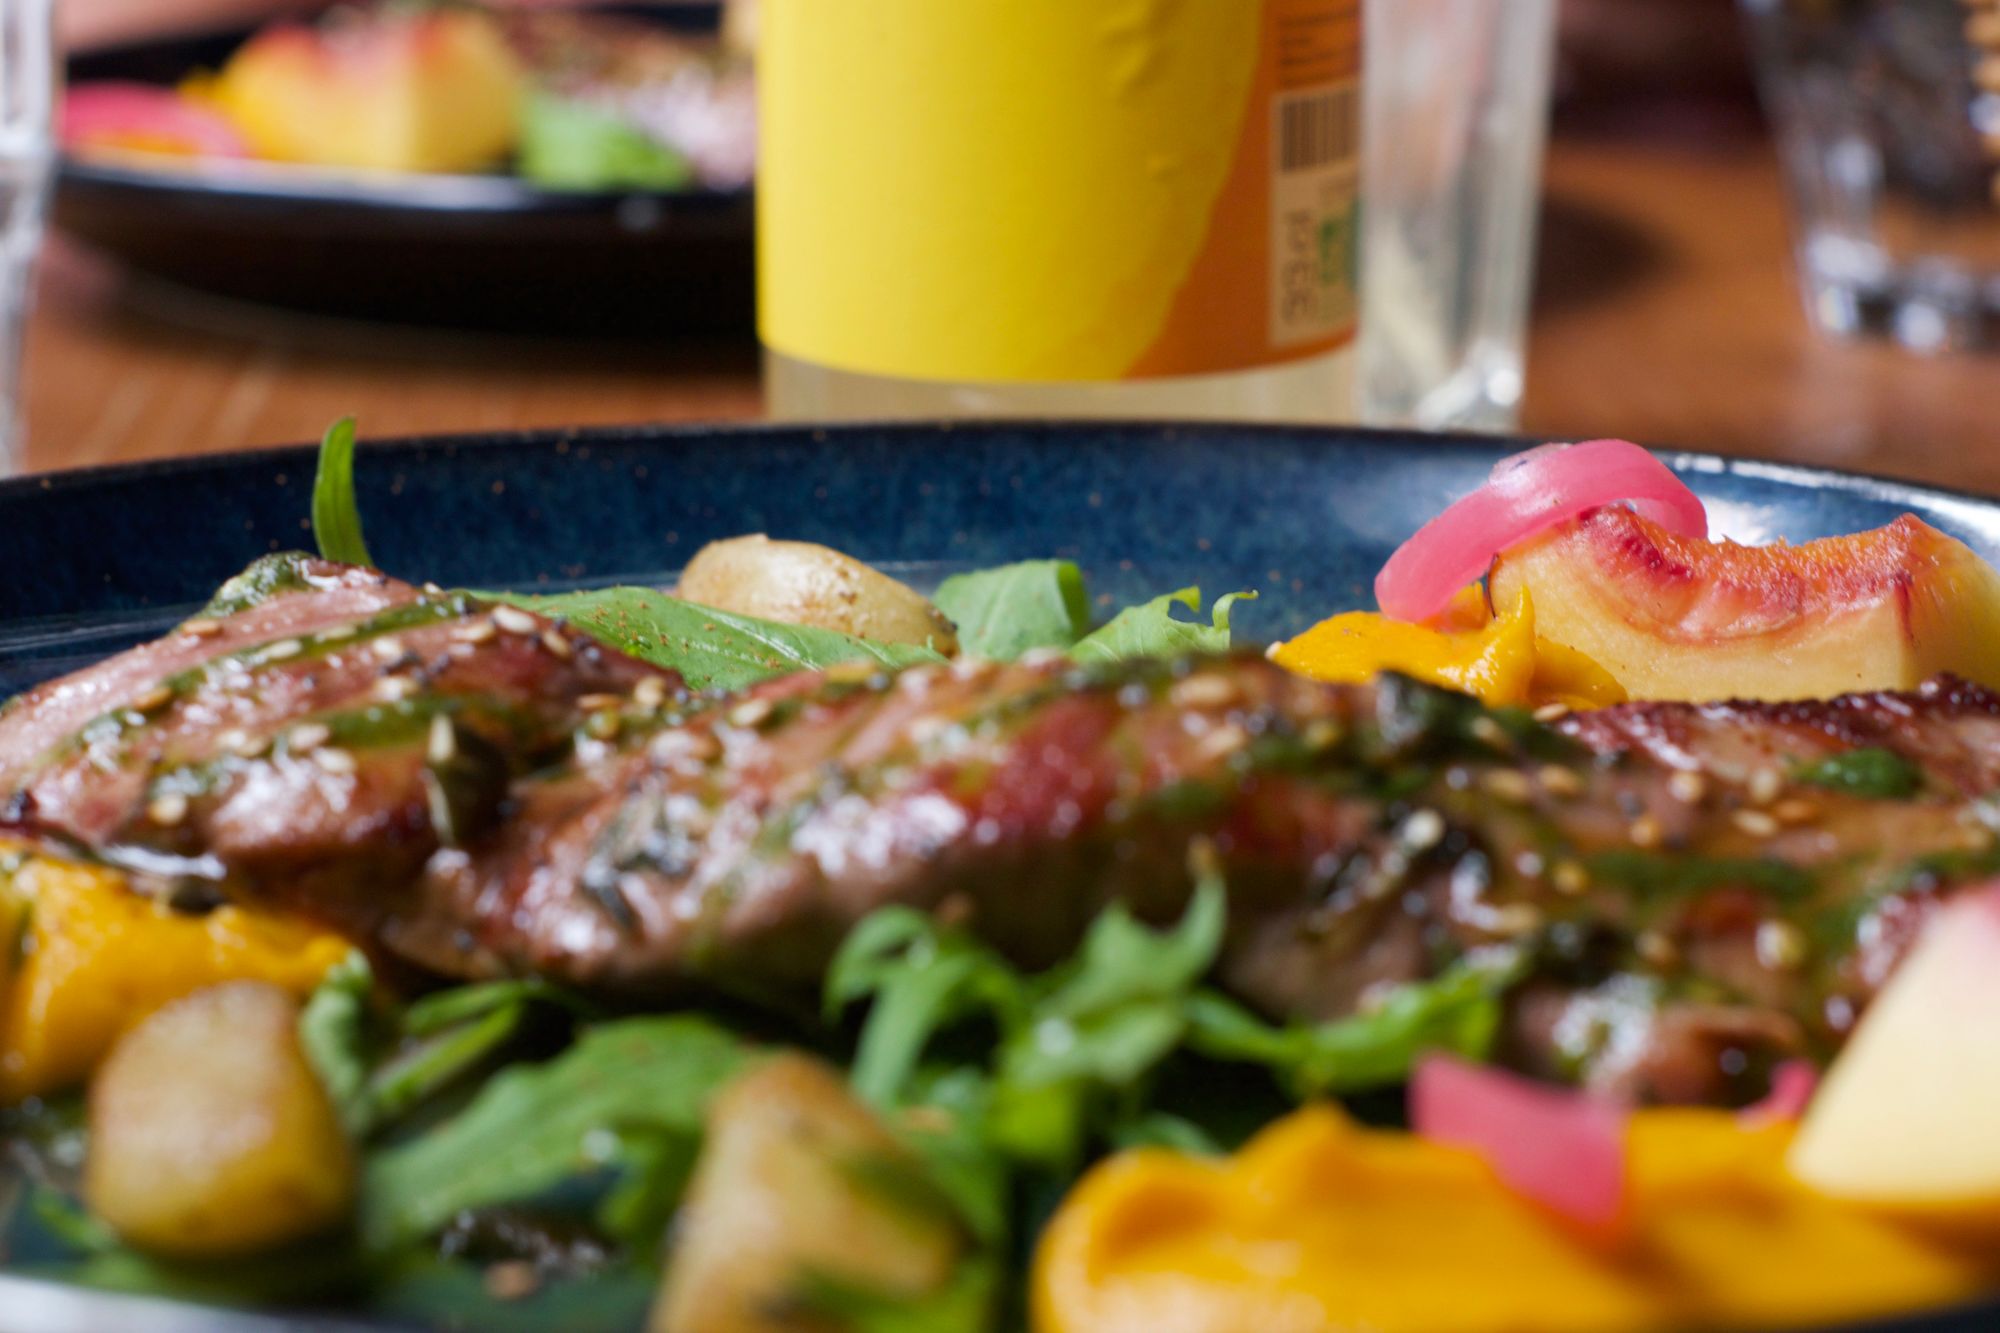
(1665, 313)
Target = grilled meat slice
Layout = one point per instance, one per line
(1689, 915)
(313, 738)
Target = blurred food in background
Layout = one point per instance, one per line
(566, 100)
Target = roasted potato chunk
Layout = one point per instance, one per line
(210, 1135)
(803, 584)
(799, 1181)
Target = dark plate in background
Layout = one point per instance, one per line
(465, 252)
(103, 559)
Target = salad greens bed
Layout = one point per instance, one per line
(514, 1119)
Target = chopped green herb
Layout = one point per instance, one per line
(1874, 773)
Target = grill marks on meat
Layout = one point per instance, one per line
(515, 800)
(314, 743)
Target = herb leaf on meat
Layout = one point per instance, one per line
(1003, 612)
(713, 650)
(336, 518)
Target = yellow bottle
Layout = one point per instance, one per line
(1059, 207)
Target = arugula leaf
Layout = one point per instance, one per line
(333, 1033)
(1151, 630)
(336, 518)
(570, 144)
(533, 1126)
(1456, 1011)
(1003, 612)
(965, 1304)
(713, 650)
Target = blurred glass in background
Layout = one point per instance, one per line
(1888, 120)
(1458, 110)
(27, 76)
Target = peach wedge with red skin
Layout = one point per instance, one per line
(1679, 618)
(394, 92)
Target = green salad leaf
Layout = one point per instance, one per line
(336, 518)
(1003, 612)
(1152, 630)
(568, 143)
(713, 650)
(334, 1033)
(531, 1127)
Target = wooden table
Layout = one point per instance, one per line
(1666, 313)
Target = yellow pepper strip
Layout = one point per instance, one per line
(95, 958)
(1319, 1224)
(1497, 658)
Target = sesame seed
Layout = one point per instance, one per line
(475, 631)
(241, 743)
(1559, 781)
(1755, 823)
(157, 697)
(389, 648)
(1488, 732)
(336, 633)
(592, 703)
(1795, 810)
(1645, 831)
(1552, 712)
(335, 761)
(1422, 830)
(283, 649)
(601, 726)
(749, 713)
(441, 745)
(1656, 948)
(1780, 944)
(650, 694)
(1571, 880)
(201, 627)
(1687, 788)
(307, 737)
(1036, 658)
(167, 810)
(1515, 919)
(1507, 785)
(1225, 740)
(557, 645)
(1765, 784)
(1205, 691)
(394, 689)
(1322, 734)
(432, 590)
(514, 620)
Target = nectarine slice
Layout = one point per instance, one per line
(1679, 618)
(1905, 1118)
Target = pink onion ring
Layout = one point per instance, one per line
(1793, 1084)
(1526, 495)
(118, 114)
(1563, 1150)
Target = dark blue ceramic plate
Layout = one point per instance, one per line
(95, 561)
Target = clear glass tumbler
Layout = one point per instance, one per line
(1457, 115)
(27, 93)
(1888, 119)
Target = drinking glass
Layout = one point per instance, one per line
(1457, 115)
(1888, 120)
(27, 87)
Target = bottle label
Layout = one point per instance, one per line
(1058, 190)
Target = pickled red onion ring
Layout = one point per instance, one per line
(139, 115)
(1563, 1150)
(1526, 495)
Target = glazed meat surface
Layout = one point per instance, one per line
(1690, 892)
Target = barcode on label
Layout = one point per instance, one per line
(1319, 128)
